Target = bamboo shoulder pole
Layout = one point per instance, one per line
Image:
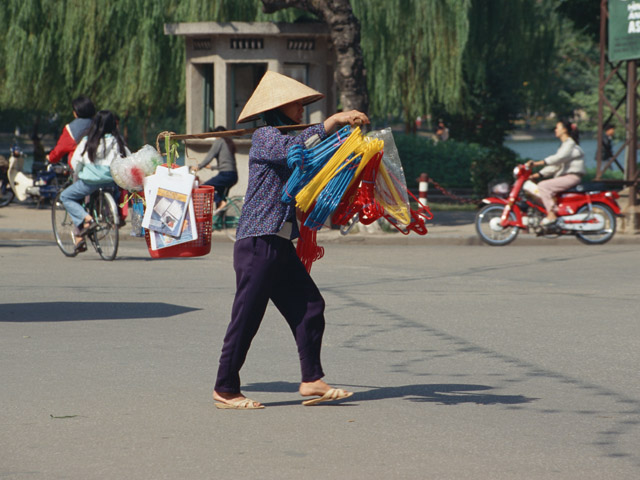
(228, 133)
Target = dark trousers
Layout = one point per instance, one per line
(267, 268)
(222, 182)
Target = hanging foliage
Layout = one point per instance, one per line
(413, 52)
(114, 52)
(475, 62)
(344, 29)
(506, 66)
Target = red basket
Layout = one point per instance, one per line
(203, 207)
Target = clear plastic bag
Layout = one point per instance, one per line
(391, 184)
(129, 172)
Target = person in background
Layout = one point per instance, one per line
(92, 161)
(607, 142)
(442, 132)
(565, 169)
(223, 150)
(83, 112)
(265, 260)
(39, 157)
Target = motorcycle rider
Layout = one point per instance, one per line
(565, 167)
(83, 112)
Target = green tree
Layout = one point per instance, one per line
(344, 29)
(413, 52)
(115, 52)
(506, 66)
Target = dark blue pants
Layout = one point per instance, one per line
(267, 268)
(222, 182)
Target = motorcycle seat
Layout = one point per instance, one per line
(587, 187)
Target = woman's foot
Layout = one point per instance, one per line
(86, 227)
(219, 207)
(235, 401)
(81, 246)
(322, 391)
(319, 387)
(549, 220)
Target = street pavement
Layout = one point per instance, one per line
(26, 221)
(467, 362)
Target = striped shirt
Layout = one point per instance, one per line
(263, 212)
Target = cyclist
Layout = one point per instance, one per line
(91, 161)
(83, 112)
(224, 151)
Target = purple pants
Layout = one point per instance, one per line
(268, 268)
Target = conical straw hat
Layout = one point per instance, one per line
(276, 90)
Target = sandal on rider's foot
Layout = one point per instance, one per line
(87, 227)
(547, 222)
(80, 247)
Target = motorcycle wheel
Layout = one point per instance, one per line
(489, 229)
(601, 236)
(6, 194)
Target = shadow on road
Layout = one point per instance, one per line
(443, 394)
(78, 311)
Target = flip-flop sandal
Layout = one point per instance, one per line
(240, 404)
(86, 229)
(81, 247)
(330, 396)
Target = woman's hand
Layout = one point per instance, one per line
(530, 164)
(340, 119)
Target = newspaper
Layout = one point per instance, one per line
(188, 233)
(168, 195)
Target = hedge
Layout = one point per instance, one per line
(454, 164)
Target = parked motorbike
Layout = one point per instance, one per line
(41, 186)
(588, 213)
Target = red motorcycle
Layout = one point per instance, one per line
(590, 215)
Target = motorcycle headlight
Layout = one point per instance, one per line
(516, 171)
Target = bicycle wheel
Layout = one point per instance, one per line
(105, 237)
(63, 227)
(231, 215)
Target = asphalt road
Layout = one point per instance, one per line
(468, 362)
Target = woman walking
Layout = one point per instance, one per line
(265, 260)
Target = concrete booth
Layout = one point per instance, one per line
(225, 62)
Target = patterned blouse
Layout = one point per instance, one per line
(263, 212)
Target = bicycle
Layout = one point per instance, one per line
(226, 218)
(104, 237)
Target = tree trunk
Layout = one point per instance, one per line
(124, 130)
(350, 75)
(145, 125)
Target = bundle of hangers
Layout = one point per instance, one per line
(344, 176)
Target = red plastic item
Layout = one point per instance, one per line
(203, 207)
(307, 248)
